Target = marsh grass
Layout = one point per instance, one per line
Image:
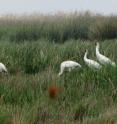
(33, 68)
(58, 28)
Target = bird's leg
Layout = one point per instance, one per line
(65, 80)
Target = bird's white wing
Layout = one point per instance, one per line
(103, 59)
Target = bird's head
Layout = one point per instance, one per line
(86, 51)
(59, 74)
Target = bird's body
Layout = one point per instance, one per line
(91, 63)
(103, 59)
(68, 65)
(3, 68)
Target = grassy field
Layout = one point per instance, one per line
(32, 48)
(88, 96)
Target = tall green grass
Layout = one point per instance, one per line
(59, 27)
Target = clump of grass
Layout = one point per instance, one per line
(103, 28)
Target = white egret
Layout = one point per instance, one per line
(91, 63)
(68, 65)
(101, 58)
(3, 68)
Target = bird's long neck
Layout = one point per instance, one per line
(61, 71)
(85, 56)
(97, 50)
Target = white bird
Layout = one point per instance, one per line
(103, 59)
(68, 65)
(91, 63)
(3, 68)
